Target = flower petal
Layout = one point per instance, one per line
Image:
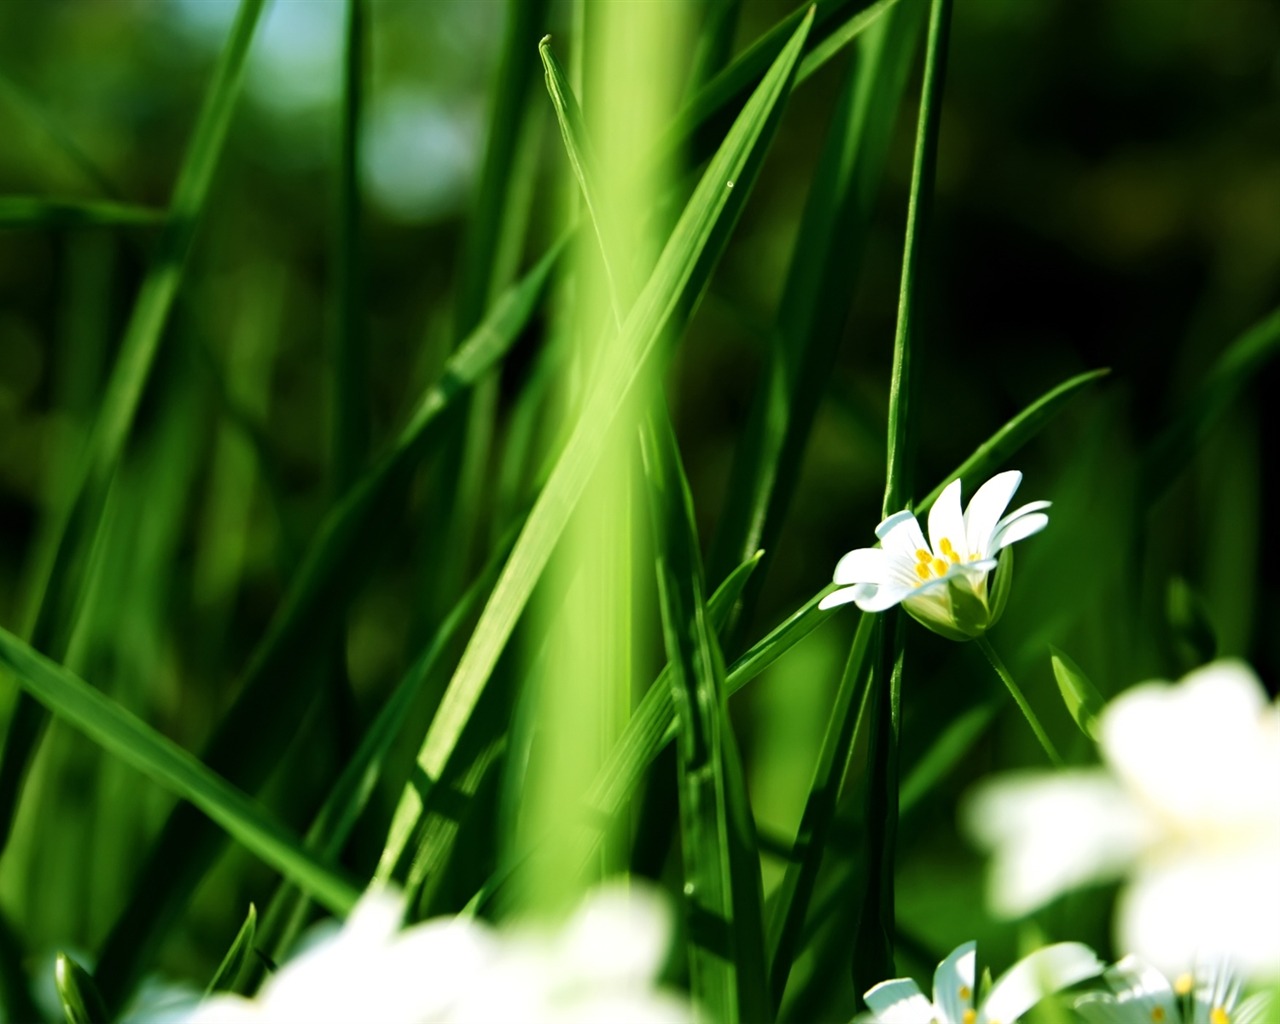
(987, 506)
(1020, 529)
(864, 565)
(618, 936)
(899, 1001)
(1052, 831)
(878, 599)
(838, 597)
(953, 982)
(900, 536)
(1144, 993)
(946, 522)
(1035, 976)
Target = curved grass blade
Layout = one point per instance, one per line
(224, 979)
(32, 212)
(874, 937)
(77, 993)
(57, 596)
(722, 886)
(133, 741)
(680, 275)
(273, 689)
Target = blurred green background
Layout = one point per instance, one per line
(1108, 195)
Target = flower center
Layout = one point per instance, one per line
(1218, 1016)
(934, 567)
(970, 1017)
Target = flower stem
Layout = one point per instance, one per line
(985, 645)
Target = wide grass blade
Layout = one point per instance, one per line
(815, 302)
(133, 741)
(274, 689)
(722, 886)
(680, 275)
(57, 596)
(33, 212)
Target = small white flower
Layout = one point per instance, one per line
(1140, 994)
(1042, 973)
(601, 965)
(941, 582)
(1187, 806)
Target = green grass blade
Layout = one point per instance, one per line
(57, 596)
(224, 979)
(350, 422)
(815, 301)
(77, 993)
(874, 937)
(681, 272)
(791, 903)
(1081, 697)
(945, 753)
(722, 884)
(33, 212)
(273, 689)
(133, 741)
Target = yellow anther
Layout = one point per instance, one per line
(1184, 984)
(966, 993)
(1157, 1014)
(1218, 1016)
(970, 1017)
(922, 570)
(922, 555)
(940, 567)
(973, 557)
(948, 549)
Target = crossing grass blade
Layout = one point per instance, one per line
(824, 266)
(133, 741)
(274, 687)
(722, 885)
(57, 596)
(33, 212)
(681, 273)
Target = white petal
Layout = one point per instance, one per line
(618, 936)
(902, 537)
(1204, 752)
(947, 521)
(1144, 992)
(1201, 905)
(1020, 529)
(899, 1001)
(879, 599)
(1102, 1008)
(987, 506)
(1052, 831)
(838, 597)
(1031, 979)
(864, 565)
(1022, 510)
(953, 990)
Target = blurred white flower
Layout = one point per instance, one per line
(941, 582)
(600, 965)
(1140, 994)
(1043, 972)
(1187, 805)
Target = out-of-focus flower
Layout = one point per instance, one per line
(600, 965)
(1186, 806)
(942, 582)
(1140, 994)
(1042, 973)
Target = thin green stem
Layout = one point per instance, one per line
(985, 646)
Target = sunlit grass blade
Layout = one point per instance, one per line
(57, 596)
(129, 738)
(815, 302)
(791, 903)
(224, 978)
(273, 688)
(33, 212)
(79, 996)
(722, 886)
(874, 937)
(680, 275)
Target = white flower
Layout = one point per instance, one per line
(1017, 990)
(941, 582)
(1187, 806)
(600, 965)
(1142, 995)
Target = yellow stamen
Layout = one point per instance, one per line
(970, 1017)
(1157, 1014)
(966, 993)
(1218, 1016)
(1184, 984)
(940, 567)
(922, 555)
(948, 550)
(922, 570)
